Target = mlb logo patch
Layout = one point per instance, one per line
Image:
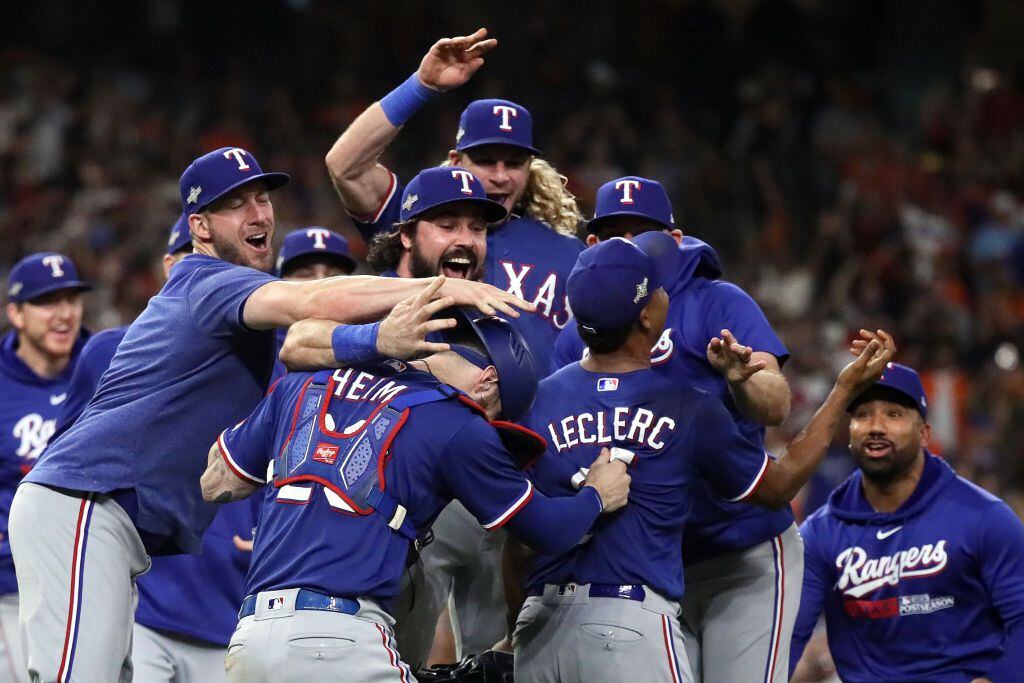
(275, 603)
(608, 384)
(326, 453)
(567, 589)
(395, 364)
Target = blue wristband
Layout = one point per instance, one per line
(401, 103)
(355, 343)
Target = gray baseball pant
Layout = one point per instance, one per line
(77, 556)
(739, 610)
(12, 662)
(166, 658)
(464, 562)
(285, 645)
(573, 637)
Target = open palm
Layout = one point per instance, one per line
(453, 61)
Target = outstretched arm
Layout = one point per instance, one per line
(362, 182)
(755, 379)
(786, 476)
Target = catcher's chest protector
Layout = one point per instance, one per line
(345, 449)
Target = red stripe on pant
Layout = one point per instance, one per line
(72, 626)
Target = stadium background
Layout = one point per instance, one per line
(855, 162)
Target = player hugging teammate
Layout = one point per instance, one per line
(649, 532)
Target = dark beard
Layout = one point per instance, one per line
(420, 267)
(889, 469)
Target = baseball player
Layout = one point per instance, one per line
(532, 252)
(437, 226)
(608, 609)
(312, 253)
(37, 358)
(176, 638)
(744, 565)
(920, 573)
(361, 461)
(120, 484)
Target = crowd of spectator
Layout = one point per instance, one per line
(841, 189)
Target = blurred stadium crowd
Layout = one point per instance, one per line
(853, 162)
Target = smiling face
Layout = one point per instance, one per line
(502, 169)
(238, 227)
(886, 438)
(451, 240)
(49, 324)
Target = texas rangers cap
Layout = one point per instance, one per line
(897, 382)
(507, 351)
(495, 122)
(314, 240)
(613, 280)
(180, 237)
(42, 273)
(443, 185)
(216, 173)
(632, 196)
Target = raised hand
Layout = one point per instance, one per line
(488, 299)
(874, 350)
(732, 359)
(453, 61)
(403, 333)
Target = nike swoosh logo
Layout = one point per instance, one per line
(882, 535)
(58, 399)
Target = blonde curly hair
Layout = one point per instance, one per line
(547, 198)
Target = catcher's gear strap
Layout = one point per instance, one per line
(350, 463)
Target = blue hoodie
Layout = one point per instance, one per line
(29, 405)
(700, 306)
(931, 592)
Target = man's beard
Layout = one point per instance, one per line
(419, 266)
(889, 468)
(229, 251)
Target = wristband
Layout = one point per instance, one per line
(355, 343)
(401, 103)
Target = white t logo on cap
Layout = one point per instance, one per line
(318, 235)
(465, 176)
(627, 187)
(237, 153)
(505, 111)
(54, 262)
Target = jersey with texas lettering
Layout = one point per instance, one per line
(524, 257)
(931, 592)
(700, 307)
(29, 405)
(167, 591)
(312, 536)
(679, 436)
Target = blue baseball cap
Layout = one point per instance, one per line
(438, 186)
(902, 380)
(507, 351)
(216, 173)
(314, 240)
(180, 237)
(42, 273)
(495, 122)
(612, 281)
(633, 196)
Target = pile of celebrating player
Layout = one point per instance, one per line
(507, 440)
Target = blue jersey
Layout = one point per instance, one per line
(931, 592)
(167, 592)
(524, 257)
(680, 436)
(310, 538)
(187, 367)
(700, 307)
(28, 412)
